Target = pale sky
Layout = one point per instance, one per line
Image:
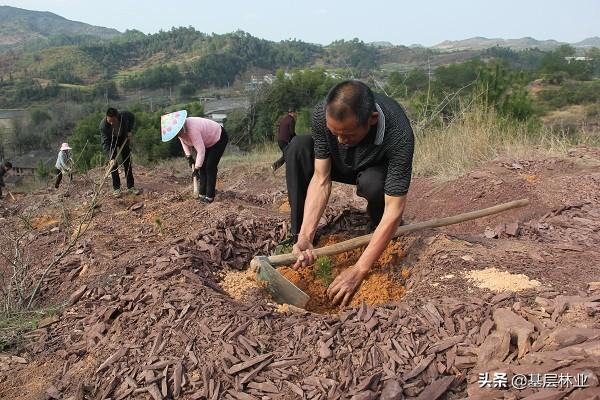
(400, 22)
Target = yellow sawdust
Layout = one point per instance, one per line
(284, 207)
(530, 178)
(240, 283)
(500, 281)
(45, 221)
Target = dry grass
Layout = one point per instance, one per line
(479, 135)
(28, 187)
(177, 166)
(264, 153)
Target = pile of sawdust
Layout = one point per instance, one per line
(43, 222)
(530, 178)
(285, 207)
(501, 281)
(283, 308)
(241, 284)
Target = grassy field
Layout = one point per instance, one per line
(479, 135)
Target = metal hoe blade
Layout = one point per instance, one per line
(282, 290)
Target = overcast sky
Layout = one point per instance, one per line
(399, 22)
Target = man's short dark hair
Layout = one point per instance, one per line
(291, 109)
(8, 165)
(350, 98)
(112, 112)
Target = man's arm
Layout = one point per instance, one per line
(345, 284)
(317, 196)
(105, 131)
(392, 215)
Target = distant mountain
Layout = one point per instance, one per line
(589, 42)
(481, 43)
(19, 27)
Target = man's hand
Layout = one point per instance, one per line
(196, 173)
(303, 249)
(346, 284)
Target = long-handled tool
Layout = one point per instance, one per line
(195, 188)
(284, 291)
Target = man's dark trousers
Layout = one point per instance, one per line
(282, 145)
(300, 160)
(126, 157)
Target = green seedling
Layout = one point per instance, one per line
(13, 326)
(159, 225)
(322, 270)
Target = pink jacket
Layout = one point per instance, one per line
(199, 133)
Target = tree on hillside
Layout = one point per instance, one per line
(528, 59)
(456, 76)
(404, 85)
(354, 54)
(28, 90)
(594, 55)
(303, 89)
(106, 90)
(63, 73)
(215, 69)
(86, 142)
(38, 117)
(162, 76)
(558, 65)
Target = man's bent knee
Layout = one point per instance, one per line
(370, 184)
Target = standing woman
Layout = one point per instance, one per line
(207, 138)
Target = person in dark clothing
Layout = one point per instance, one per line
(358, 138)
(117, 128)
(4, 168)
(285, 133)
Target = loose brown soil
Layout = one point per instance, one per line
(384, 285)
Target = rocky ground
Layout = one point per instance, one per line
(505, 307)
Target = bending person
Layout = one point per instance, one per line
(207, 138)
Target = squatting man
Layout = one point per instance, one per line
(359, 138)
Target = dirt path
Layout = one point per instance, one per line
(150, 319)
